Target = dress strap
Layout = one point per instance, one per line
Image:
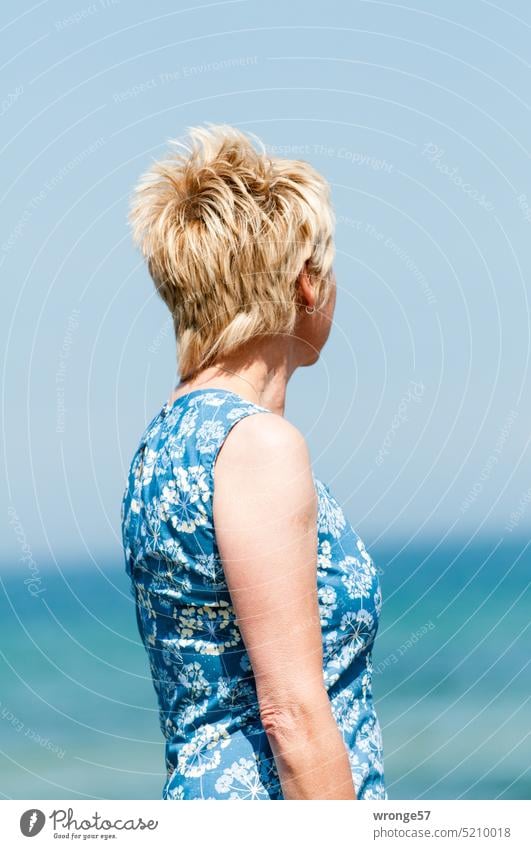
(210, 417)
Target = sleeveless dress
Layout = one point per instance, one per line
(216, 746)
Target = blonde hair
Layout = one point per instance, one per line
(226, 230)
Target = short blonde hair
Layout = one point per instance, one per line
(226, 230)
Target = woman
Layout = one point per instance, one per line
(255, 599)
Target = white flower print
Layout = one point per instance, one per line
(244, 779)
(235, 693)
(203, 752)
(183, 499)
(164, 683)
(369, 740)
(193, 480)
(240, 412)
(171, 654)
(176, 792)
(214, 401)
(330, 517)
(187, 714)
(175, 451)
(209, 435)
(245, 663)
(330, 677)
(331, 666)
(211, 568)
(358, 577)
(147, 615)
(376, 790)
(152, 430)
(192, 677)
(169, 589)
(360, 770)
(329, 645)
(151, 529)
(187, 425)
(324, 557)
(364, 554)
(346, 709)
(147, 465)
(356, 634)
(366, 681)
(172, 568)
(164, 461)
(327, 603)
(211, 630)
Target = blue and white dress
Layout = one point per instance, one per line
(216, 746)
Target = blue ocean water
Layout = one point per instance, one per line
(452, 684)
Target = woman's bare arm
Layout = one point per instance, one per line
(265, 518)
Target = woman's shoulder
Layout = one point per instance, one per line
(265, 462)
(263, 435)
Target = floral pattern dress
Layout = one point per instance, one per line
(216, 746)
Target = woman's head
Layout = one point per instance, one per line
(226, 231)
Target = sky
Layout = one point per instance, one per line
(417, 413)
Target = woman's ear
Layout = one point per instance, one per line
(306, 287)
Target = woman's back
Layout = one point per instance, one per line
(216, 746)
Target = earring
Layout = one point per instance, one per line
(310, 310)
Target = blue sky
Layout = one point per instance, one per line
(417, 414)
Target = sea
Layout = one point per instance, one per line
(451, 676)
